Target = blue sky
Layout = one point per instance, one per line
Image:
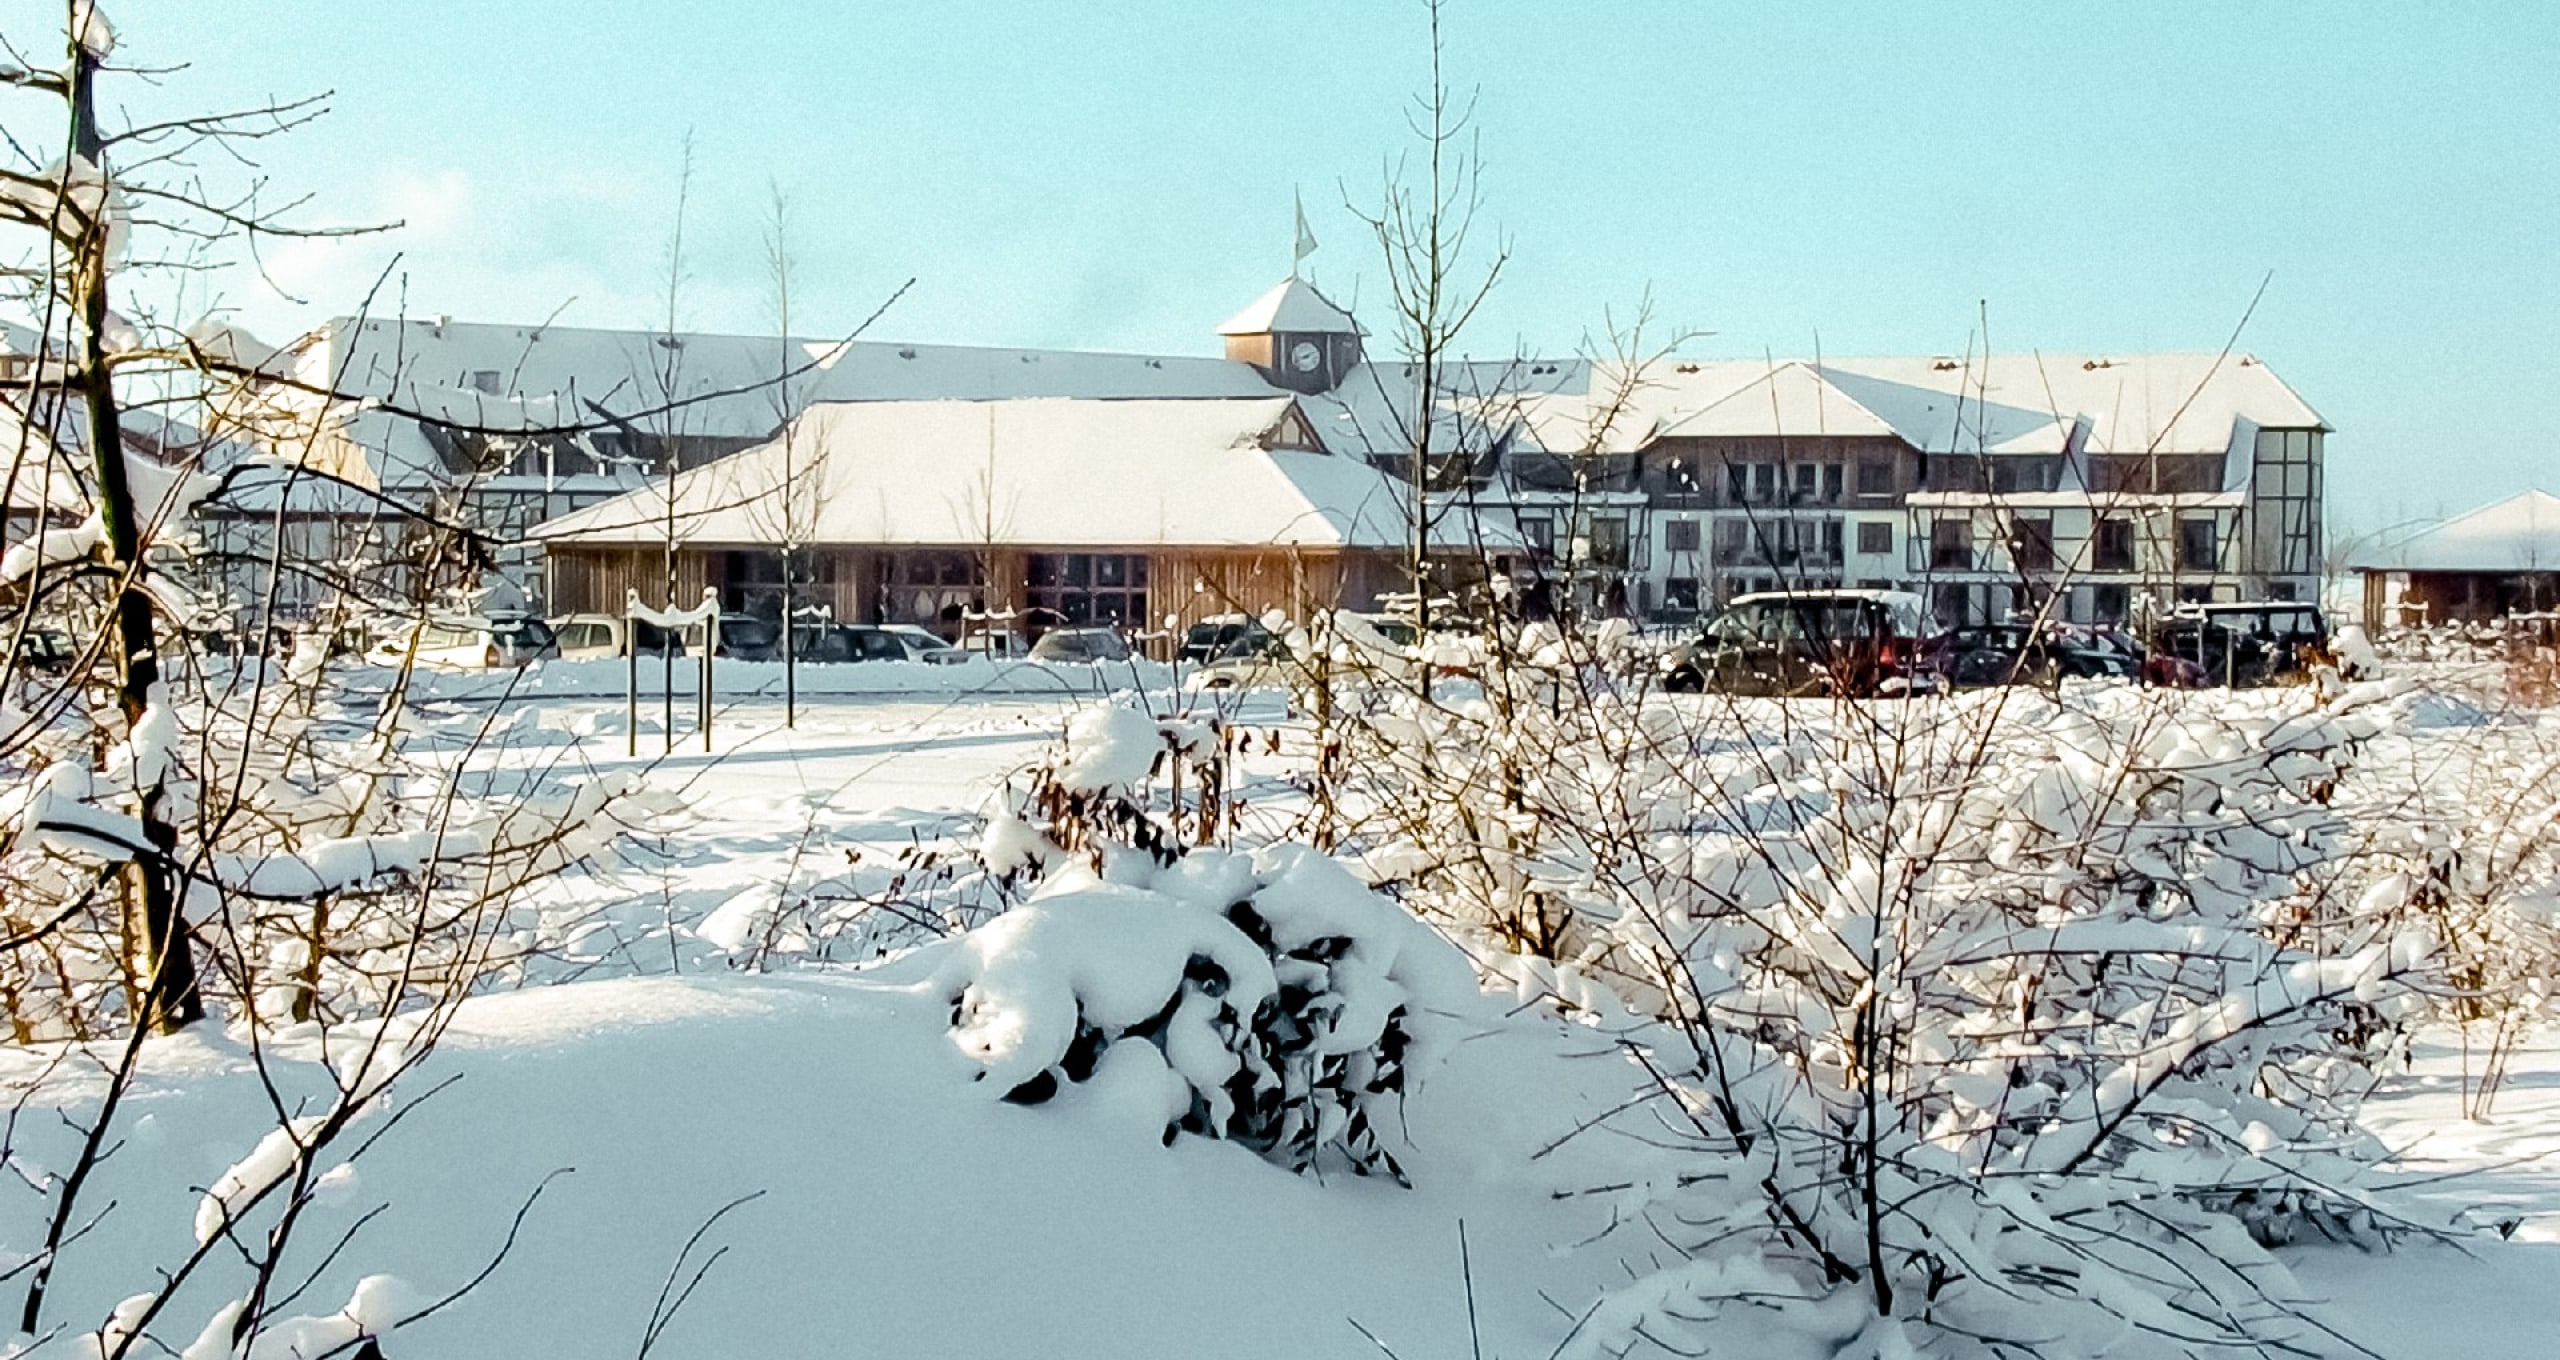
(1119, 176)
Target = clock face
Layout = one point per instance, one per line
(1304, 356)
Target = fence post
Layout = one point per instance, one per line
(630, 678)
(710, 648)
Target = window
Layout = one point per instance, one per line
(2196, 546)
(1875, 536)
(1609, 541)
(485, 380)
(1089, 587)
(1539, 532)
(1680, 536)
(2111, 604)
(1733, 538)
(2015, 474)
(1951, 544)
(1737, 482)
(2113, 548)
(1831, 536)
(1808, 480)
(1875, 477)
(1832, 473)
(1680, 595)
(2031, 543)
(1764, 481)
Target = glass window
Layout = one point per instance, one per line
(1539, 532)
(2196, 546)
(1875, 477)
(2113, 548)
(1832, 473)
(1609, 540)
(1875, 536)
(1680, 535)
(2031, 543)
(1732, 539)
(1951, 544)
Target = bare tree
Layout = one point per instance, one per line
(1425, 224)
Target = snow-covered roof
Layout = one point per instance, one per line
(2141, 403)
(1793, 398)
(1294, 305)
(875, 371)
(2518, 534)
(2047, 404)
(501, 377)
(1036, 472)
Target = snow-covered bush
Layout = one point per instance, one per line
(1269, 999)
(324, 875)
(2012, 1019)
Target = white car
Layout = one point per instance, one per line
(448, 643)
(591, 637)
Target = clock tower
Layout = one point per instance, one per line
(1297, 338)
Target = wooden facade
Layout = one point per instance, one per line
(2457, 596)
(932, 585)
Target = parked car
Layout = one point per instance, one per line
(588, 637)
(46, 651)
(842, 642)
(1254, 660)
(2013, 653)
(1086, 645)
(468, 644)
(1804, 642)
(2245, 644)
(2154, 667)
(748, 637)
(1212, 636)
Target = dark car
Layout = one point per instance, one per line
(1212, 638)
(749, 638)
(46, 651)
(2154, 667)
(842, 642)
(2020, 653)
(2245, 644)
(1804, 642)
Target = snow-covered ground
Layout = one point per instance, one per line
(901, 1209)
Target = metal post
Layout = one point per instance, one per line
(710, 648)
(630, 680)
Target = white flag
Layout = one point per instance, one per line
(1306, 238)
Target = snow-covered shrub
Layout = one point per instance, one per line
(2015, 1019)
(1092, 801)
(1269, 999)
(915, 896)
(324, 876)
